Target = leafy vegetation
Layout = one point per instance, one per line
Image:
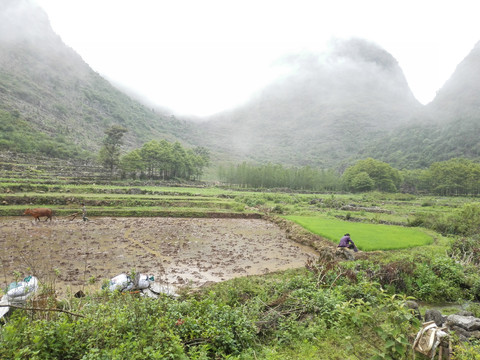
(109, 154)
(464, 221)
(371, 174)
(456, 176)
(165, 161)
(18, 135)
(240, 319)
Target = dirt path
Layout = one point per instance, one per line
(177, 252)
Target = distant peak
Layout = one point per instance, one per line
(362, 50)
(23, 20)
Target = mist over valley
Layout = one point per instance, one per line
(327, 110)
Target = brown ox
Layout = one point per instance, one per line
(38, 212)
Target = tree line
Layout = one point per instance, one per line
(164, 160)
(154, 160)
(456, 176)
(276, 176)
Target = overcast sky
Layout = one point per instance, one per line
(199, 57)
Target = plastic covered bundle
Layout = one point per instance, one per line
(22, 290)
(18, 293)
(124, 282)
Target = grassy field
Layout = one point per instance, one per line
(367, 237)
(301, 313)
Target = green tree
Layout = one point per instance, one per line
(109, 154)
(150, 155)
(132, 163)
(454, 177)
(165, 159)
(384, 177)
(179, 164)
(362, 182)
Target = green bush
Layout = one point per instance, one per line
(223, 328)
(439, 280)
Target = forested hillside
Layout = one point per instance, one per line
(446, 128)
(52, 91)
(328, 111)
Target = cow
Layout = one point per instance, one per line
(38, 212)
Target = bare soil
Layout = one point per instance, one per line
(76, 255)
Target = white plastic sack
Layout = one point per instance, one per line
(120, 282)
(163, 289)
(143, 281)
(4, 309)
(22, 290)
(123, 282)
(18, 293)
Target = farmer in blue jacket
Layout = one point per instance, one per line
(346, 242)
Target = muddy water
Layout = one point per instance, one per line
(74, 255)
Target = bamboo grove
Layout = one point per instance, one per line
(454, 177)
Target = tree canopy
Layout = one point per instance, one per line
(371, 174)
(165, 160)
(277, 176)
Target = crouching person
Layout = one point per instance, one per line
(346, 244)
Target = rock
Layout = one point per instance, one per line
(462, 334)
(410, 304)
(434, 315)
(464, 313)
(468, 323)
(345, 253)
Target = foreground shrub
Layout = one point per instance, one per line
(466, 351)
(123, 326)
(328, 312)
(384, 325)
(427, 278)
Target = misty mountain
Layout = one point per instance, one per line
(448, 127)
(49, 85)
(458, 98)
(327, 109)
(322, 112)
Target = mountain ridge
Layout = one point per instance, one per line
(334, 104)
(330, 110)
(57, 92)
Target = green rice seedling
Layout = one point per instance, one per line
(367, 237)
